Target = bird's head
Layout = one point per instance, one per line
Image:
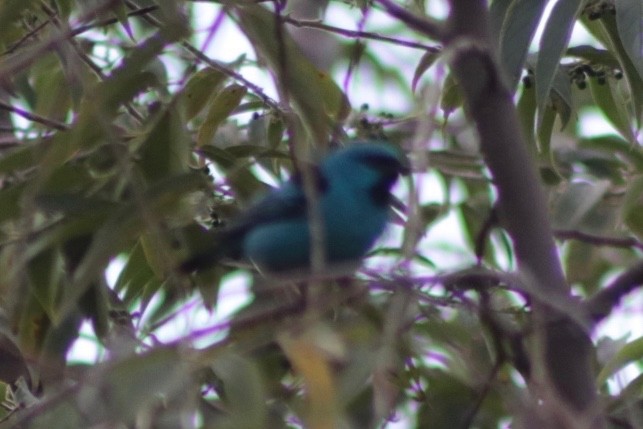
(370, 166)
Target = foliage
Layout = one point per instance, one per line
(121, 139)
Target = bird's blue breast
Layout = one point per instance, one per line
(349, 231)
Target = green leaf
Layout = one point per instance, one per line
(243, 391)
(447, 401)
(52, 87)
(527, 113)
(518, 29)
(608, 33)
(553, 43)
(199, 89)
(610, 145)
(319, 101)
(451, 96)
(135, 275)
(593, 55)
(633, 206)
(165, 151)
(561, 97)
(573, 206)
(24, 156)
(427, 60)
(608, 98)
(10, 197)
(220, 108)
(545, 130)
(120, 10)
(44, 272)
(497, 13)
(94, 118)
(10, 11)
(629, 22)
(125, 226)
(134, 384)
(631, 352)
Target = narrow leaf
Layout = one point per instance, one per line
(427, 60)
(631, 352)
(629, 21)
(605, 94)
(201, 86)
(552, 45)
(518, 29)
(220, 108)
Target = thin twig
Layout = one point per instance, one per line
(357, 34)
(216, 65)
(602, 303)
(422, 25)
(34, 117)
(598, 239)
(20, 61)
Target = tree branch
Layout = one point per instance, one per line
(564, 347)
(34, 117)
(357, 34)
(429, 28)
(602, 303)
(598, 239)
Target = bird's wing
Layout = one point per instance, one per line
(284, 203)
(281, 204)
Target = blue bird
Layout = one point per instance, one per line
(353, 187)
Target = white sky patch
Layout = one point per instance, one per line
(593, 123)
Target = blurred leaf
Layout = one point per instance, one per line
(276, 128)
(10, 11)
(593, 55)
(126, 224)
(606, 30)
(49, 82)
(497, 13)
(553, 43)
(14, 363)
(45, 272)
(427, 60)
(545, 130)
(10, 197)
(585, 265)
(631, 352)
(201, 86)
(576, 202)
(24, 156)
(609, 99)
(633, 206)
(451, 96)
(518, 29)
(319, 100)
(561, 97)
(113, 393)
(120, 10)
(166, 149)
(629, 20)
(243, 391)
(220, 108)
(527, 113)
(312, 363)
(134, 276)
(447, 401)
(91, 126)
(244, 183)
(611, 144)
